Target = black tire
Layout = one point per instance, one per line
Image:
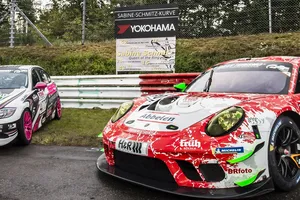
(284, 178)
(22, 138)
(58, 106)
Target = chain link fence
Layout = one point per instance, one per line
(197, 19)
(211, 18)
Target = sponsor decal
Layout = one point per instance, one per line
(239, 171)
(255, 121)
(141, 132)
(281, 68)
(133, 147)
(146, 28)
(146, 37)
(190, 143)
(157, 117)
(278, 67)
(229, 150)
(242, 65)
(245, 136)
(123, 28)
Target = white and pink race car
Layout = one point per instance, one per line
(28, 99)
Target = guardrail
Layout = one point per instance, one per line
(109, 91)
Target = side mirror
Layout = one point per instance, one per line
(180, 87)
(40, 86)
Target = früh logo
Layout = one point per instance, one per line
(190, 143)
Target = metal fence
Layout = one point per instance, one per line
(197, 18)
(210, 18)
(109, 91)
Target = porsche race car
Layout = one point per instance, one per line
(28, 99)
(232, 133)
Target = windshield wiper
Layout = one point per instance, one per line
(209, 81)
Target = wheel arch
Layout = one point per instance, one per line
(293, 115)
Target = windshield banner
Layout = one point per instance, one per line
(146, 38)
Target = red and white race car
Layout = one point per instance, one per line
(232, 133)
(28, 98)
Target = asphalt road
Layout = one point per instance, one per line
(52, 172)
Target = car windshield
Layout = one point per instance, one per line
(13, 78)
(245, 77)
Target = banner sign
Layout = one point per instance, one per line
(146, 38)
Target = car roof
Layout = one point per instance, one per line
(289, 59)
(15, 67)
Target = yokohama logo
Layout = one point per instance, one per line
(123, 28)
(146, 28)
(239, 171)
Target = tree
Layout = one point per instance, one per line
(4, 25)
(27, 7)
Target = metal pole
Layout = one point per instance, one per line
(83, 21)
(33, 26)
(270, 16)
(12, 23)
(26, 27)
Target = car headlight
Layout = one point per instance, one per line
(6, 112)
(225, 121)
(122, 110)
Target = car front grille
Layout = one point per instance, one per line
(212, 172)
(156, 169)
(189, 170)
(150, 168)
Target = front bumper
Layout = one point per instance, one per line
(257, 189)
(8, 132)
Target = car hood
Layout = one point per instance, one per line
(8, 95)
(181, 110)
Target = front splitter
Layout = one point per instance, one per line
(256, 189)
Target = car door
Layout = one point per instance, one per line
(43, 97)
(50, 94)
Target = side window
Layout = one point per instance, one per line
(298, 84)
(44, 76)
(35, 77)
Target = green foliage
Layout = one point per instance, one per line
(64, 21)
(192, 55)
(4, 26)
(27, 7)
(20, 38)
